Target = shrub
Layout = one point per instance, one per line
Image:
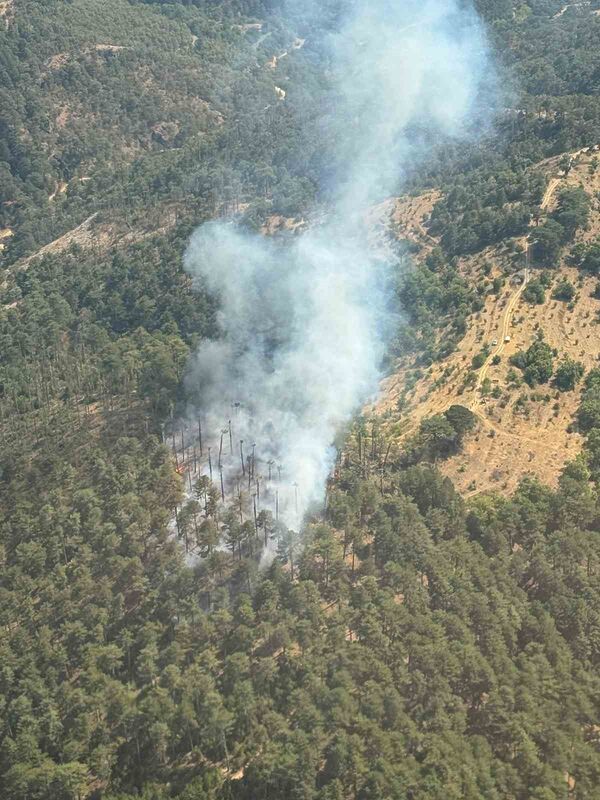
(537, 363)
(568, 375)
(479, 360)
(534, 292)
(564, 291)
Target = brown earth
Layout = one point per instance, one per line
(277, 223)
(109, 48)
(522, 431)
(5, 233)
(6, 11)
(61, 188)
(403, 218)
(57, 61)
(100, 236)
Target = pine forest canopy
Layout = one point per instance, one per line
(412, 644)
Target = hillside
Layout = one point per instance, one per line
(138, 105)
(523, 431)
(430, 628)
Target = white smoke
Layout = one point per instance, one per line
(303, 320)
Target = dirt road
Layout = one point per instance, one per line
(76, 236)
(504, 334)
(519, 432)
(566, 7)
(512, 303)
(552, 186)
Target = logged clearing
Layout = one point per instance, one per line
(82, 236)
(277, 223)
(109, 48)
(94, 235)
(5, 233)
(6, 10)
(522, 430)
(61, 188)
(565, 8)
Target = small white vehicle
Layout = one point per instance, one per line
(494, 342)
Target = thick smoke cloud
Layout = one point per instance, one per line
(303, 320)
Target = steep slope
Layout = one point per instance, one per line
(134, 105)
(409, 644)
(522, 430)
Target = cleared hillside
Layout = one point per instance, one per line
(522, 430)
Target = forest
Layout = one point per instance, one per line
(412, 644)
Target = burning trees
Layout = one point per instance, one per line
(236, 499)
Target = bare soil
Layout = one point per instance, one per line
(99, 236)
(61, 188)
(5, 233)
(277, 223)
(523, 430)
(6, 10)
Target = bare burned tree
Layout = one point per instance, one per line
(223, 432)
(225, 492)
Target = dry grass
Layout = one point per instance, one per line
(523, 431)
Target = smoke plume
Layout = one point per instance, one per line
(303, 319)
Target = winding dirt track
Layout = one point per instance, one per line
(552, 186)
(510, 309)
(506, 323)
(476, 403)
